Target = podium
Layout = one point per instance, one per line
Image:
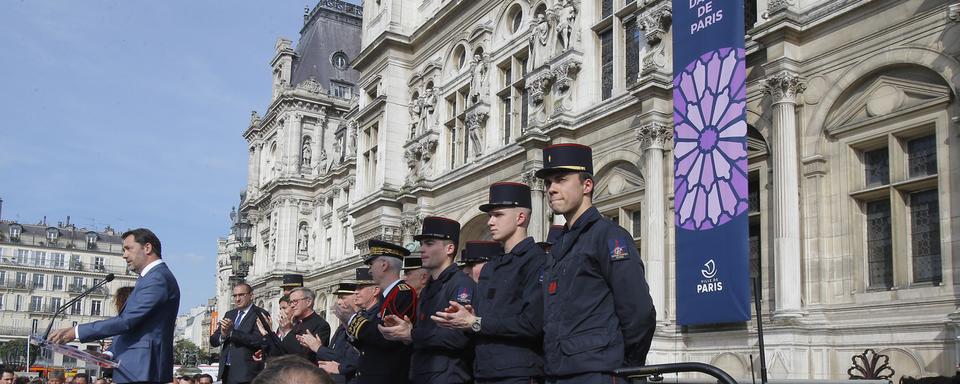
(74, 352)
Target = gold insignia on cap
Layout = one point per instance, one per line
(385, 251)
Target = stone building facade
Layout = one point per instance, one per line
(853, 129)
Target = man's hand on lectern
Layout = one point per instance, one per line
(63, 336)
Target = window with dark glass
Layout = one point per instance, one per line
(57, 283)
(922, 156)
(36, 303)
(925, 236)
(95, 308)
(517, 19)
(632, 51)
(879, 244)
(606, 64)
(606, 8)
(637, 218)
(756, 270)
(54, 304)
(38, 280)
(76, 308)
(877, 166)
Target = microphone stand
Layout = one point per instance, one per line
(62, 308)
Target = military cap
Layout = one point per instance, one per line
(436, 227)
(382, 248)
(412, 262)
(363, 277)
(480, 251)
(566, 158)
(345, 288)
(292, 281)
(508, 194)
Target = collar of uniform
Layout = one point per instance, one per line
(448, 273)
(150, 266)
(390, 287)
(588, 216)
(523, 246)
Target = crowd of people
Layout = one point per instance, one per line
(571, 308)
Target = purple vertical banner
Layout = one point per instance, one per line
(710, 162)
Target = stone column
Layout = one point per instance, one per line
(253, 169)
(653, 137)
(319, 138)
(294, 134)
(783, 89)
(538, 226)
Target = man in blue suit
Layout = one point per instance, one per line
(143, 331)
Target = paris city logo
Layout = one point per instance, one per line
(710, 282)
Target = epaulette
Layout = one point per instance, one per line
(354, 328)
(403, 287)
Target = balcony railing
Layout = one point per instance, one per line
(16, 285)
(80, 288)
(77, 266)
(42, 308)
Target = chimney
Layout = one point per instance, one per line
(1, 209)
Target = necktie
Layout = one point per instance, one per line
(236, 324)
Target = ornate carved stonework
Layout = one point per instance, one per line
(784, 87)
(953, 12)
(476, 123)
(565, 74)
(539, 86)
(530, 178)
(417, 155)
(655, 21)
(310, 85)
(654, 135)
(774, 6)
(411, 223)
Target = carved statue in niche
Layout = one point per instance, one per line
(478, 78)
(303, 237)
(427, 103)
(566, 24)
(412, 158)
(352, 133)
(414, 108)
(539, 37)
(306, 154)
(475, 128)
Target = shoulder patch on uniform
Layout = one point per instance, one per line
(354, 329)
(403, 287)
(464, 295)
(617, 247)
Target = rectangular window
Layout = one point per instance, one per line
(18, 303)
(21, 279)
(34, 325)
(2, 302)
(606, 8)
(925, 236)
(77, 284)
(36, 303)
(77, 308)
(877, 165)
(54, 304)
(38, 280)
(98, 264)
(637, 218)
(94, 307)
(879, 245)
(753, 193)
(75, 264)
(39, 258)
(3, 279)
(922, 156)
(57, 283)
(22, 256)
(507, 112)
(606, 64)
(57, 260)
(632, 51)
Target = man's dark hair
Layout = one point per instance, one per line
(143, 237)
(83, 375)
(199, 376)
(284, 299)
(249, 288)
(8, 370)
(291, 369)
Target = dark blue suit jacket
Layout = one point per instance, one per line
(143, 331)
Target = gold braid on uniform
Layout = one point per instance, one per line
(403, 287)
(354, 328)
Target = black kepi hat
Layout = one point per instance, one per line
(436, 227)
(346, 288)
(382, 248)
(508, 194)
(480, 251)
(412, 262)
(566, 158)
(364, 277)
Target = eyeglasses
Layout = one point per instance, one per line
(295, 301)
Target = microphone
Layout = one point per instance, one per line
(62, 308)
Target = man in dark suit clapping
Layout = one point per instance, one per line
(237, 334)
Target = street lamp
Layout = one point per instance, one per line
(242, 258)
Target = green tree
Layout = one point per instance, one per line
(13, 352)
(185, 353)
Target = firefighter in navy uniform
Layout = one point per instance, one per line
(440, 355)
(598, 314)
(471, 264)
(382, 360)
(340, 359)
(507, 316)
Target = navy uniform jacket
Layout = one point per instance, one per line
(510, 301)
(598, 314)
(342, 352)
(290, 346)
(382, 360)
(442, 355)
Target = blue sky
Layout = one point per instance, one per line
(129, 113)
